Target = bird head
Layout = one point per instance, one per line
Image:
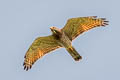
(55, 30)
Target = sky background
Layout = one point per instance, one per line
(21, 21)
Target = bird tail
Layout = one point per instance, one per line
(76, 56)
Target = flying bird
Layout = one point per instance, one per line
(61, 38)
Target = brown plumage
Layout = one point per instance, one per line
(62, 38)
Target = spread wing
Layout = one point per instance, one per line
(76, 26)
(39, 47)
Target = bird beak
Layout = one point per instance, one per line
(51, 28)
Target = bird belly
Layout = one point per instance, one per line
(65, 41)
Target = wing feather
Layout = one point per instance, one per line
(76, 26)
(39, 48)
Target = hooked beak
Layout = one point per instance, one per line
(51, 28)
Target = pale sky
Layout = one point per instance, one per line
(21, 21)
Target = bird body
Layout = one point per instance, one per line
(65, 42)
(61, 38)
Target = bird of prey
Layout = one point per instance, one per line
(61, 38)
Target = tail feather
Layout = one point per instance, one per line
(76, 56)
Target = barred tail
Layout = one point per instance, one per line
(76, 56)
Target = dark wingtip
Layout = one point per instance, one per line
(27, 67)
(103, 18)
(104, 22)
(24, 67)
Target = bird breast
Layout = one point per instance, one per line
(64, 40)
